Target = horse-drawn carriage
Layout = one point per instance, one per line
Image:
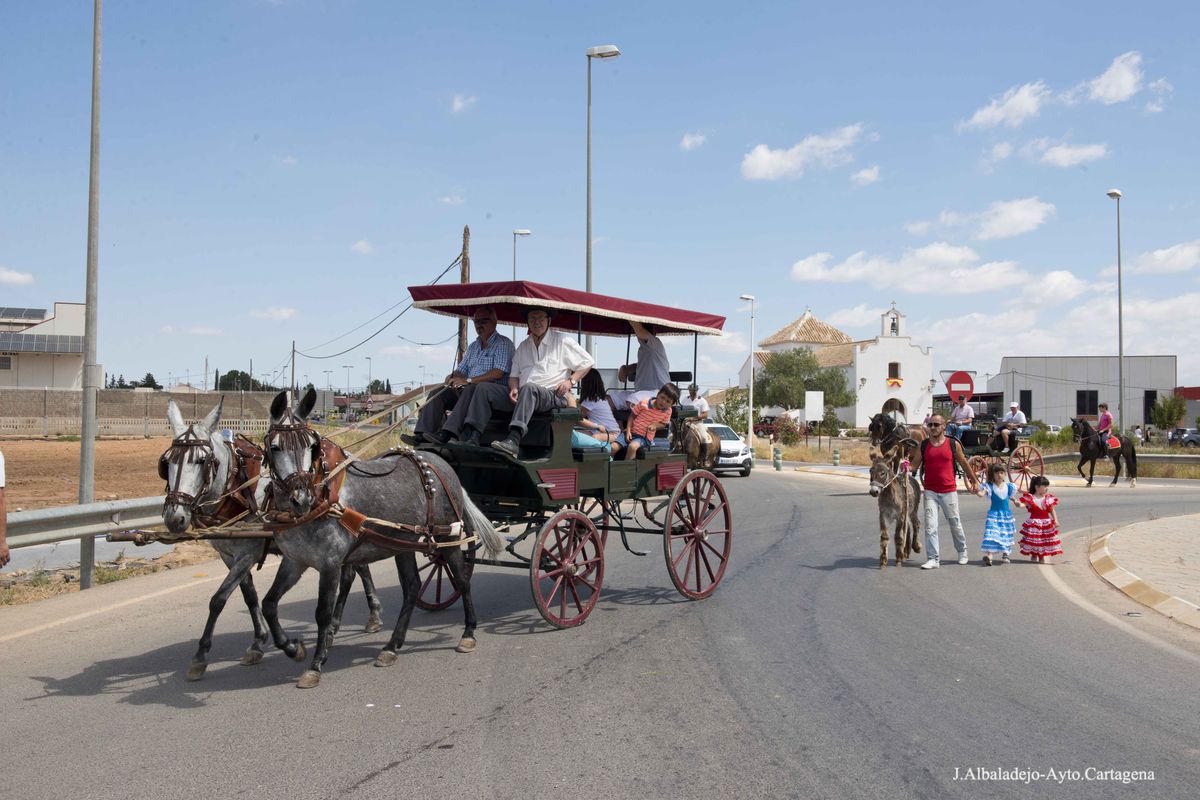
(1022, 459)
(335, 512)
(567, 500)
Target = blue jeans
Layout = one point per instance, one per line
(948, 503)
(955, 430)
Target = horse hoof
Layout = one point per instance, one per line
(465, 645)
(252, 657)
(301, 653)
(196, 671)
(386, 658)
(309, 679)
(373, 626)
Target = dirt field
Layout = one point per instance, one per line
(44, 473)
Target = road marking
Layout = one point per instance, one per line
(139, 599)
(1061, 587)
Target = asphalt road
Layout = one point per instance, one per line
(810, 673)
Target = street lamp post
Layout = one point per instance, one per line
(347, 367)
(517, 232)
(369, 381)
(750, 413)
(1115, 194)
(600, 51)
(325, 399)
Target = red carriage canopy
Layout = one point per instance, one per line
(586, 312)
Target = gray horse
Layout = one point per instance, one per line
(197, 469)
(899, 496)
(420, 490)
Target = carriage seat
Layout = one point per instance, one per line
(969, 438)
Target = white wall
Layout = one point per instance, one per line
(916, 369)
(43, 370)
(67, 321)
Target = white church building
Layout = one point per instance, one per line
(888, 373)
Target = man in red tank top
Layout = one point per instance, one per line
(939, 454)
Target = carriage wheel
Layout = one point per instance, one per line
(437, 590)
(567, 569)
(1025, 463)
(596, 510)
(979, 468)
(697, 534)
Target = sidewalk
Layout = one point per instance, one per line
(1156, 563)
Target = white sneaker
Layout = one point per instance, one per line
(930, 564)
(962, 558)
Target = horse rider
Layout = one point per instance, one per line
(1014, 419)
(544, 366)
(1104, 427)
(961, 418)
(488, 360)
(649, 373)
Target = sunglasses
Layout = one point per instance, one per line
(934, 424)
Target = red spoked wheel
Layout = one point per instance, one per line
(596, 510)
(567, 569)
(1025, 463)
(697, 534)
(437, 591)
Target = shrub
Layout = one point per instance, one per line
(787, 430)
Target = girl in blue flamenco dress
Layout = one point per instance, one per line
(1000, 527)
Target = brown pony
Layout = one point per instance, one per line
(701, 444)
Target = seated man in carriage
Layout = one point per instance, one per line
(1006, 430)
(543, 369)
(487, 360)
(648, 373)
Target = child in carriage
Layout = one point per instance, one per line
(599, 423)
(644, 419)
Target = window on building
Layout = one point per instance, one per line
(1087, 402)
(894, 369)
(5, 362)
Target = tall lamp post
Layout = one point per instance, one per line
(347, 367)
(517, 232)
(328, 390)
(750, 412)
(600, 51)
(369, 381)
(1115, 194)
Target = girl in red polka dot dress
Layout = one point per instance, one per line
(1039, 533)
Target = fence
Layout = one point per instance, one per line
(114, 426)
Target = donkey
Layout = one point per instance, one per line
(1091, 449)
(205, 476)
(384, 500)
(899, 496)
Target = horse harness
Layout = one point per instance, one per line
(328, 473)
(237, 498)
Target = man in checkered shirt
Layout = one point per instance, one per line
(488, 360)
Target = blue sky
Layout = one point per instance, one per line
(274, 171)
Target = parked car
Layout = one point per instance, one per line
(735, 455)
(1186, 437)
(765, 427)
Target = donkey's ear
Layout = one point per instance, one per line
(178, 426)
(278, 406)
(306, 404)
(209, 423)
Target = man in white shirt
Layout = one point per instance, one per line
(543, 369)
(1014, 419)
(699, 403)
(3, 518)
(961, 418)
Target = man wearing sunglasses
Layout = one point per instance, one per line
(488, 360)
(939, 454)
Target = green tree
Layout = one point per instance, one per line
(149, 382)
(732, 412)
(1167, 412)
(121, 384)
(786, 376)
(388, 388)
(377, 387)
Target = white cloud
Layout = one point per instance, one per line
(729, 342)
(994, 155)
(452, 200)
(866, 176)
(1176, 258)
(1056, 286)
(952, 268)
(1011, 109)
(274, 313)
(1161, 91)
(362, 247)
(289, 161)
(1009, 218)
(462, 102)
(764, 164)
(855, 317)
(918, 228)
(1121, 81)
(1059, 154)
(691, 141)
(10, 277)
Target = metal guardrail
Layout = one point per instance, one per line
(50, 525)
(1147, 458)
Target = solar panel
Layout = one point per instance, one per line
(34, 314)
(40, 343)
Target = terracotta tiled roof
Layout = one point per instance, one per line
(806, 330)
(836, 355)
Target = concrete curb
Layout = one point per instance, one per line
(1123, 580)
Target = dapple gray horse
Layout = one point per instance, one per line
(392, 488)
(196, 481)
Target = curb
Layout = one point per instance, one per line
(1123, 580)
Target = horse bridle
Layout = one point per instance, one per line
(294, 437)
(890, 481)
(177, 454)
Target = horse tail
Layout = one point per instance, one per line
(481, 526)
(1131, 459)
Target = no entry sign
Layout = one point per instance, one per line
(959, 385)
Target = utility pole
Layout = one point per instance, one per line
(91, 370)
(205, 387)
(465, 277)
